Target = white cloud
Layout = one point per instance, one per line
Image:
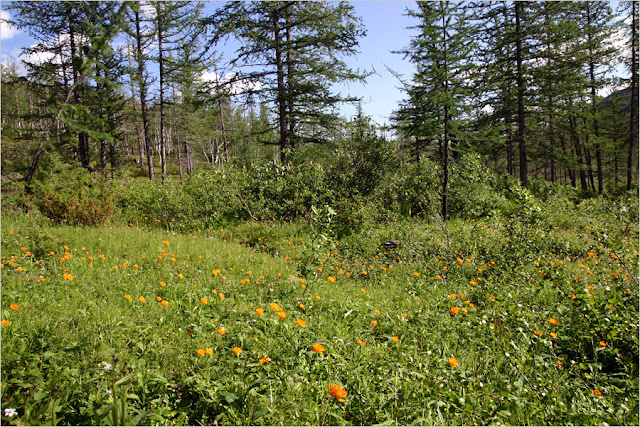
(7, 31)
(235, 86)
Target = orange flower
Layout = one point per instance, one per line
(438, 277)
(237, 350)
(6, 323)
(318, 297)
(301, 306)
(301, 323)
(221, 331)
(165, 242)
(331, 279)
(473, 282)
(537, 333)
(361, 342)
(127, 296)
(453, 362)
(553, 334)
(416, 274)
(454, 310)
(395, 339)
(216, 272)
(318, 348)
(209, 351)
(180, 276)
(204, 300)
(163, 284)
(164, 302)
(559, 362)
(376, 311)
(282, 314)
(603, 344)
(338, 392)
(159, 299)
(142, 299)
(221, 296)
(275, 306)
(200, 351)
(405, 314)
(553, 321)
(14, 307)
(264, 360)
(597, 393)
(259, 311)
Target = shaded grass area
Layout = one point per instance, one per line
(469, 323)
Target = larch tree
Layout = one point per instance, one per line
(438, 96)
(292, 51)
(631, 8)
(66, 35)
(176, 24)
(141, 37)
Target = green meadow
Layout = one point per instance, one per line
(157, 322)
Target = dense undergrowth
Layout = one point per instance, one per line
(265, 296)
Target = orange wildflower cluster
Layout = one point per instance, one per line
(201, 351)
(264, 360)
(338, 392)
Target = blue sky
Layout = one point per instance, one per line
(386, 31)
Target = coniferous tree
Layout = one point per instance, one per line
(438, 96)
(298, 45)
(66, 34)
(176, 24)
(631, 61)
(141, 38)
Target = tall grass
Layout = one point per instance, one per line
(475, 322)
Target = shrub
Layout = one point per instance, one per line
(76, 197)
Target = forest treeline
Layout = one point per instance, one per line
(118, 87)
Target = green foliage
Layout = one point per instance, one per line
(546, 316)
(74, 196)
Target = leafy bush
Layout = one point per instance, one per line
(76, 197)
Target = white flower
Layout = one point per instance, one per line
(107, 366)
(10, 412)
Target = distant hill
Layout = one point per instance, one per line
(617, 102)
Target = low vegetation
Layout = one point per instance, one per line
(266, 296)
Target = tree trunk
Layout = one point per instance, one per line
(290, 83)
(520, 83)
(143, 95)
(577, 145)
(135, 114)
(83, 138)
(445, 160)
(572, 177)
(594, 110)
(282, 103)
(633, 113)
(163, 152)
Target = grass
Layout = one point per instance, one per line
(77, 351)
